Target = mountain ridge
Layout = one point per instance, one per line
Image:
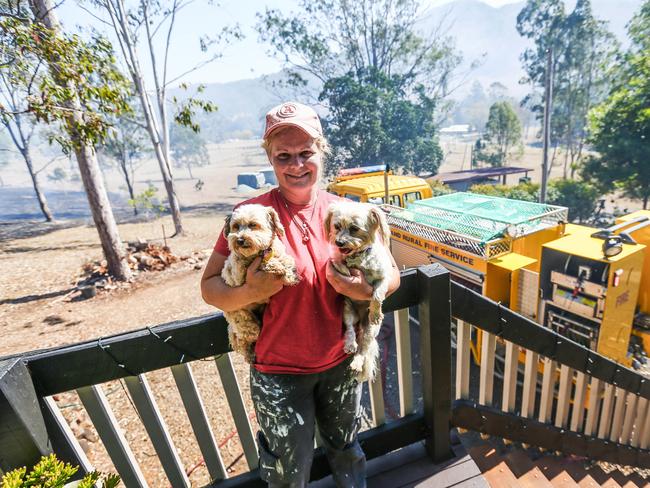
(481, 32)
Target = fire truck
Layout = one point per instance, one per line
(591, 285)
(372, 183)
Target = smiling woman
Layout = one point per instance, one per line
(300, 374)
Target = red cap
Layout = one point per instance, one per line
(293, 114)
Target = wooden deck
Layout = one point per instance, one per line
(410, 467)
(489, 463)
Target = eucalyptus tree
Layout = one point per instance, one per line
(78, 89)
(142, 25)
(125, 146)
(19, 80)
(377, 71)
(503, 131)
(189, 148)
(620, 125)
(581, 48)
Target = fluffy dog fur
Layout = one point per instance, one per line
(354, 229)
(253, 230)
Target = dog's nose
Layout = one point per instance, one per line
(339, 242)
(240, 241)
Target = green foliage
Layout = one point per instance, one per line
(188, 148)
(580, 197)
(49, 472)
(438, 188)
(186, 109)
(528, 192)
(620, 126)
(374, 122)
(81, 88)
(148, 201)
(127, 139)
(380, 78)
(582, 50)
(502, 132)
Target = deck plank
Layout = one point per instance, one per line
(410, 466)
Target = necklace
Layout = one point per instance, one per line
(300, 223)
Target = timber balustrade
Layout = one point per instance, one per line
(550, 392)
(531, 385)
(31, 423)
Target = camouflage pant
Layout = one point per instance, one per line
(289, 406)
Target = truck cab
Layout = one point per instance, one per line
(368, 184)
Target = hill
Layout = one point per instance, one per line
(481, 32)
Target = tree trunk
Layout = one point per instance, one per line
(129, 185)
(87, 160)
(128, 48)
(40, 196)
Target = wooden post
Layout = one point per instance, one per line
(435, 356)
(23, 436)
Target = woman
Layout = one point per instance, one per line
(300, 377)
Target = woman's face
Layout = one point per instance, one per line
(295, 159)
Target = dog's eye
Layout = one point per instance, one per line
(353, 228)
(252, 225)
(337, 226)
(235, 226)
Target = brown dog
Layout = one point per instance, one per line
(253, 230)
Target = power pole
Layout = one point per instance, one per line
(548, 103)
(386, 190)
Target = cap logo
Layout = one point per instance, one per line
(287, 110)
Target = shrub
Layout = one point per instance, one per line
(438, 188)
(49, 472)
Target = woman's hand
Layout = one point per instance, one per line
(260, 284)
(354, 286)
(258, 287)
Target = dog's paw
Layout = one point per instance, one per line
(291, 278)
(350, 347)
(357, 363)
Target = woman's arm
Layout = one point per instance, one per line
(258, 287)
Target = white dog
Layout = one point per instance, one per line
(361, 234)
(253, 230)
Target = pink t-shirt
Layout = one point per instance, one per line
(302, 329)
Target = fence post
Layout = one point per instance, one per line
(23, 436)
(435, 357)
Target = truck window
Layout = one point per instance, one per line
(394, 200)
(354, 198)
(411, 197)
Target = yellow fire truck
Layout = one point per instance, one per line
(585, 283)
(368, 184)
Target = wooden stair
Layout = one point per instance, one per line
(512, 465)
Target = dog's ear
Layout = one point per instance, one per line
(274, 220)
(378, 223)
(328, 219)
(226, 225)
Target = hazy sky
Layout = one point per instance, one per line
(244, 59)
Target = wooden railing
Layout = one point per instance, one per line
(593, 407)
(31, 423)
(550, 392)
